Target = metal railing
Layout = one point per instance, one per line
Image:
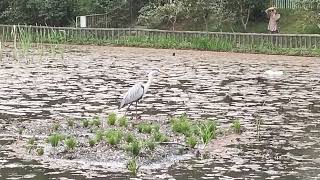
(302, 41)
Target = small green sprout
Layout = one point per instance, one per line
(133, 167)
(236, 125)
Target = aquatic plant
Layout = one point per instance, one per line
(40, 151)
(71, 143)
(191, 141)
(112, 118)
(129, 138)
(133, 167)
(54, 139)
(181, 125)
(31, 144)
(236, 125)
(134, 148)
(32, 141)
(156, 128)
(207, 131)
(160, 137)
(151, 145)
(99, 135)
(0, 51)
(145, 128)
(92, 142)
(113, 137)
(96, 122)
(123, 121)
(70, 122)
(85, 123)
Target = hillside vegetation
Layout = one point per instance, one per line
(203, 15)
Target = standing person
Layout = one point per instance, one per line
(274, 16)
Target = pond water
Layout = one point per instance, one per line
(282, 92)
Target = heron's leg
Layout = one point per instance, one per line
(136, 110)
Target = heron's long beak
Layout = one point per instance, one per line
(164, 73)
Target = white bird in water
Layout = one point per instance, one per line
(273, 73)
(137, 92)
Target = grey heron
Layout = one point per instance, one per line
(137, 91)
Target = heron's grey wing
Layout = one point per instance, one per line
(134, 93)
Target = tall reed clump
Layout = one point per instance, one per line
(25, 39)
(0, 51)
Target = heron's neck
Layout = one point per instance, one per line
(147, 85)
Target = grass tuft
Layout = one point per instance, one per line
(181, 125)
(133, 167)
(113, 137)
(54, 139)
(123, 121)
(207, 131)
(95, 122)
(134, 148)
(112, 118)
(145, 128)
(130, 138)
(191, 141)
(71, 143)
(85, 123)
